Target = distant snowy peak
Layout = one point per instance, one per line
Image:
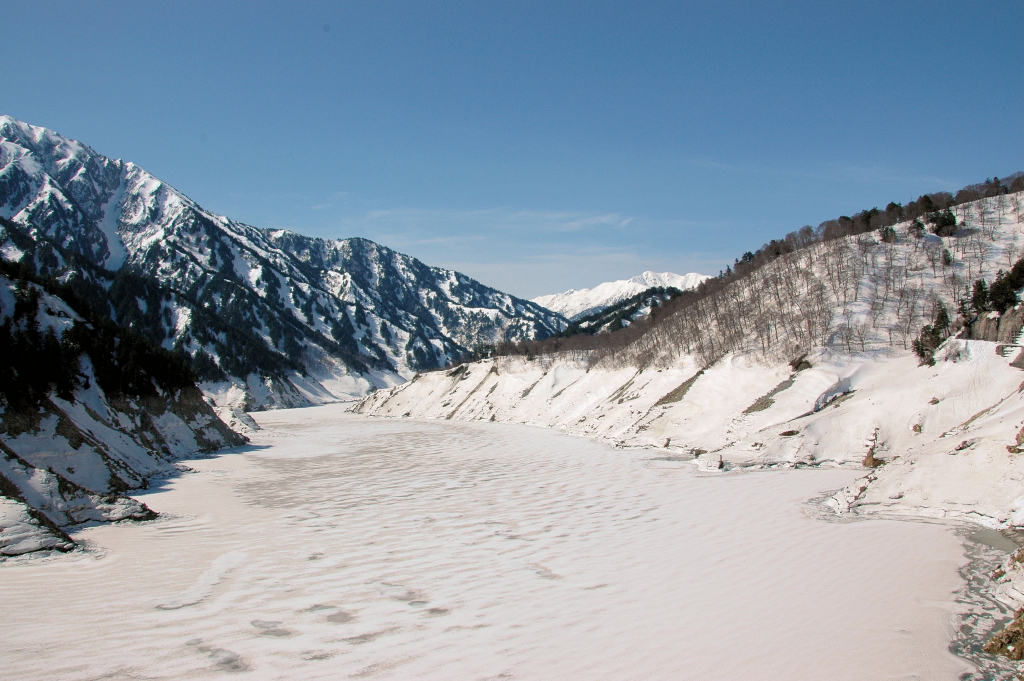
(683, 282)
(577, 303)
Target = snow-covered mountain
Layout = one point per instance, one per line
(577, 303)
(269, 317)
(898, 349)
(620, 314)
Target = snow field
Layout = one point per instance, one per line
(337, 546)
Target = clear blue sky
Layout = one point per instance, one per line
(536, 146)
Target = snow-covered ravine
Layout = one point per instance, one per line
(338, 546)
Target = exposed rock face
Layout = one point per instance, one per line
(1010, 640)
(1009, 577)
(270, 317)
(995, 327)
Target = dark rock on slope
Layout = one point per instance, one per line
(88, 411)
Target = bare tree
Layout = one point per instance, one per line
(907, 317)
(933, 252)
(1012, 251)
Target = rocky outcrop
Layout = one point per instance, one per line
(996, 327)
(1009, 642)
(67, 463)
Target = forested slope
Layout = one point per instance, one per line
(848, 286)
(88, 411)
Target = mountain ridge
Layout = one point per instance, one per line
(317, 320)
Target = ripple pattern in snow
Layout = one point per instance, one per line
(338, 546)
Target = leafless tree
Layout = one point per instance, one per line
(933, 252)
(907, 317)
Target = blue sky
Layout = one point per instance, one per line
(536, 146)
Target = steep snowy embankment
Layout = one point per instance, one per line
(850, 307)
(942, 431)
(939, 442)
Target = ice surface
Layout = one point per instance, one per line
(343, 547)
(914, 417)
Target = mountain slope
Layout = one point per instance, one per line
(621, 314)
(88, 411)
(269, 317)
(575, 304)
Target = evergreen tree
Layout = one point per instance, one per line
(932, 336)
(943, 222)
(980, 296)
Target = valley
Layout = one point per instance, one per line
(379, 449)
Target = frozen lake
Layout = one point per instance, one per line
(339, 546)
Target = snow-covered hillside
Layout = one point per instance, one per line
(577, 303)
(726, 374)
(805, 361)
(270, 317)
(86, 413)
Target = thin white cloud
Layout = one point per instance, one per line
(489, 219)
(861, 173)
